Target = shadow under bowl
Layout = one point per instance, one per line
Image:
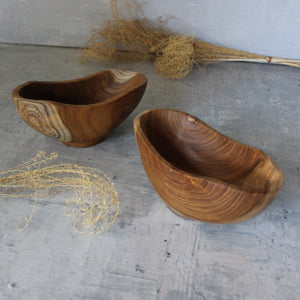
(80, 112)
(200, 173)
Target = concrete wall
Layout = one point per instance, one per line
(269, 27)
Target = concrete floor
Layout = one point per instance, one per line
(151, 253)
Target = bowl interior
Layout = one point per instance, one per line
(192, 146)
(88, 90)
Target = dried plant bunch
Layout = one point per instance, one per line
(128, 36)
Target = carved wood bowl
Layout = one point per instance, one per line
(80, 112)
(200, 173)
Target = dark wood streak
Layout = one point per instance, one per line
(80, 112)
(43, 118)
(202, 174)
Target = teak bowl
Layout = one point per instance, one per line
(200, 173)
(80, 112)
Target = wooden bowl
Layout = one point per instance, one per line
(82, 111)
(200, 173)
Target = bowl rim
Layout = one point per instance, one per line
(16, 91)
(213, 180)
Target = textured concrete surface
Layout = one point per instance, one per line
(265, 27)
(151, 253)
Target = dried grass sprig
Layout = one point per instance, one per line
(93, 205)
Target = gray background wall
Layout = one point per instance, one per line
(269, 27)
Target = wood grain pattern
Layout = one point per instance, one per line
(80, 112)
(201, 173)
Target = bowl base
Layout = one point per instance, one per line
(179, 213)
(82, 145)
